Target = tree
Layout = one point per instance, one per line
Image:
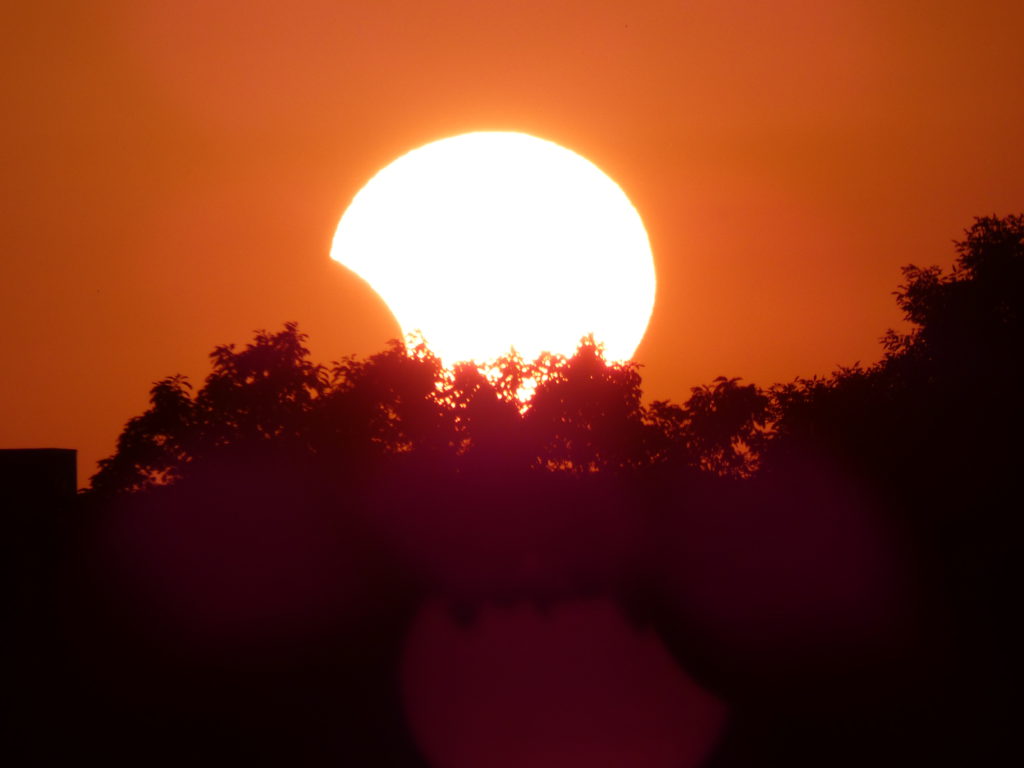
(386, 405)
(389, 476)
(576, 415)
(721, 429)
(966, 324)
(945, 383)
(258, 395)
(585, 415)
(934, 428)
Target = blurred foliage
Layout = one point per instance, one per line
(934, 429)
(734, 517)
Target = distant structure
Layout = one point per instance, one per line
(36, 479)
(38, 491)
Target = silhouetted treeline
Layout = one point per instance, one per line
(585, 415)
(835, 559)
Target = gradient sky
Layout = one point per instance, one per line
(173, 172)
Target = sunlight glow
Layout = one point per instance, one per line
(488, 241)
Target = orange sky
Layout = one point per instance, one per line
(173, 172)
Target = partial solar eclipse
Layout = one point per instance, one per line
(490, 241)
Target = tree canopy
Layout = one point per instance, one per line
(581, 414)
(814, 552)
(577, 414)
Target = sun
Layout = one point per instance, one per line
(493, 241)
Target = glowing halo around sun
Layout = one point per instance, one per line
(490, 241)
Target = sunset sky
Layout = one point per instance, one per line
(173, 172)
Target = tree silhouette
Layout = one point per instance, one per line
(972, 312)
(486, 412)
(586, 414)
(933, 429)
(256, 395)
(721, 429)
(316, 505)
(727, 426)
(578, 414)
(947, 383)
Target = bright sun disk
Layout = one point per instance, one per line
(489, 241)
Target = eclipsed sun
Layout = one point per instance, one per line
(490, 241)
